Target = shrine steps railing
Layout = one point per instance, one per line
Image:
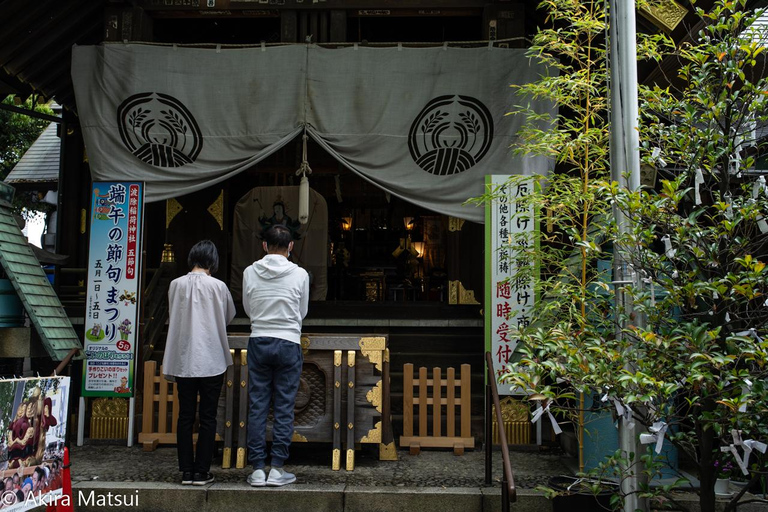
(508, 490)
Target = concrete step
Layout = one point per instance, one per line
(237, 497)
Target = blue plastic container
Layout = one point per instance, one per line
(601, 439)
(11, 308)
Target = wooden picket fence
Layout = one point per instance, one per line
(159, 394)
(438, 399)
(160, 401)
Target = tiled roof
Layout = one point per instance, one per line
(33, 288)
(40, 164)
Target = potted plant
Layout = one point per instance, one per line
(724, 470)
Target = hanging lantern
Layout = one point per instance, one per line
(304, 200)
(303, 171)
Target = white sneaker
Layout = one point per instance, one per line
(279, 477)
(258, 478)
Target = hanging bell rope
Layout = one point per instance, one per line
(303, 171)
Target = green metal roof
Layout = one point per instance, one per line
(31, 284)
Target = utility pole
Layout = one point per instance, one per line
(625, 169)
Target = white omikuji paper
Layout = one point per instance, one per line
(424, 124)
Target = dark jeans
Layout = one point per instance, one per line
(274, 369)
(209, 389)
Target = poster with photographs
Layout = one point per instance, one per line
(33, 422)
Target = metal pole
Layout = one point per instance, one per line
(625, 169)
(81, 421)
(131, 418)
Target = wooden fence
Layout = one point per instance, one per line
(436, 438)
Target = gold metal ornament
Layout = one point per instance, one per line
(665, 15)
(374, 396)
(350, 460)
(388, 451)
(455, 224)
(168, 256)
(226, 459)
(373, 348)
(374, 435)
(216, 209)
(172, 209)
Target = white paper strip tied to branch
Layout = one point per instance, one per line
(747, 446)
(757, 187)
(668, 250)
(746, 389)
(540, 411)
(656, 157)
(752, 333)
(698, 182)
(657, 431)
(624, 412)
(729, 205)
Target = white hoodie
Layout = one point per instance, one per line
(276, 297)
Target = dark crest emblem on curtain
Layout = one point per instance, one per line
(159, 130)
(450, 135)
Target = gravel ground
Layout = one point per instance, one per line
(311, 463)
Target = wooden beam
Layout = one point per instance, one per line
(233, 6)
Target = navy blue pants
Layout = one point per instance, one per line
(274, 369)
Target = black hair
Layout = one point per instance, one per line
(278, 237)
(204, 255)
(40, 473)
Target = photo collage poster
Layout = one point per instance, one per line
(33, 420)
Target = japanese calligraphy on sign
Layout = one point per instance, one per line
(510, 231)
(112, 304)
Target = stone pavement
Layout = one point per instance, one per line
(434, 481)
(312, 465)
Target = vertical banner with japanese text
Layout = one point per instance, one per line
(510, 236)
(112, 303)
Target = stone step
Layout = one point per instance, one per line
(235, 497)
(92, 496)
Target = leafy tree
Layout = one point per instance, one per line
(705, 335)
(697, 246)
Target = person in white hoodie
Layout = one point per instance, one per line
(275, 298)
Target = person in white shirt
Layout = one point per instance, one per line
(275, 298)
(197, 355)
